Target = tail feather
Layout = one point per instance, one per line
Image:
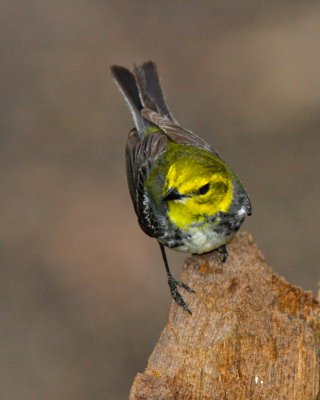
(127, 84)
(141, 89)
(150, 89)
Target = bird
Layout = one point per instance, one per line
(184, 194)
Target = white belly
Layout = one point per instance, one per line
(202, 241)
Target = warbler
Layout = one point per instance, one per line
(183, 193)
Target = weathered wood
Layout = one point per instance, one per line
(252, 335)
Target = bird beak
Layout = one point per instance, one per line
(172, 194)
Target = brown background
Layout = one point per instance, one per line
(83, 290)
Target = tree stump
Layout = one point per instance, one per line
(251, 335)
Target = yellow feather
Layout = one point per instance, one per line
(187, 175)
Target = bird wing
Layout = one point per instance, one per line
(141, 156)
(174, 131)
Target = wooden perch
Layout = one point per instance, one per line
(252, 335)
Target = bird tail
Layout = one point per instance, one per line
(127, 84)
(150, 89)
(141, 89)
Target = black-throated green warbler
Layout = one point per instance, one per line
(183, 193)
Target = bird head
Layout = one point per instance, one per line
(196, 187)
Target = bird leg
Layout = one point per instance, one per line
(223, 253)
(173, 283)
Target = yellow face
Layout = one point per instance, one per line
(195, 190)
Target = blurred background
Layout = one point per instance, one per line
(83, 291)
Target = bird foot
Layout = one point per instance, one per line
(173, 283)
(223, 253)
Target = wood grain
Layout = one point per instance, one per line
(252, 335)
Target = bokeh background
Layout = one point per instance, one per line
(83, 291)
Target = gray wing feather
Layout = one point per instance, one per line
(141, 155)
(174, 131)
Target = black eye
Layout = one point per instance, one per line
(204, 189)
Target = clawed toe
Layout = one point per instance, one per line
(223, 253)
(184, 286)
(173, 283)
